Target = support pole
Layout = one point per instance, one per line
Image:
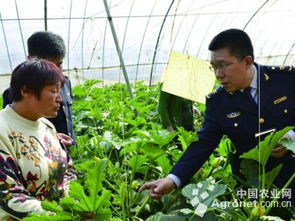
(118, 48)
(45, 15)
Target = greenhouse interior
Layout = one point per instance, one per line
(132, 110)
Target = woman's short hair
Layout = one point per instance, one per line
(34, 75)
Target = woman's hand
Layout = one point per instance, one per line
(66, 140)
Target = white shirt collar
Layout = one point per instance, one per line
(254, 80)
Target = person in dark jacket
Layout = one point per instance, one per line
(252, 98)
(51, 47)
(175, 111)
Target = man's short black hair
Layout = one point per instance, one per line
(44, 44)
(34, 75)
(236, 41)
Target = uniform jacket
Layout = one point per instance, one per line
(63, 121)
(237, 116)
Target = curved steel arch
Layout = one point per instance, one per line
(143, 38)
(20, 29)
(5, 40)
(157, 43)
(69, 34)
(126, 26)
(255, 13)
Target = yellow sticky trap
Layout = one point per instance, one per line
(188, 77)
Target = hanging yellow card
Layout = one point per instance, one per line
(188, 77)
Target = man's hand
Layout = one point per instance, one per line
(280, 150)
(65, 139)
(159, 187)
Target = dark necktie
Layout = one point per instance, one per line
(247, 93)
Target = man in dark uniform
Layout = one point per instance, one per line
(50, 46)
(252, 98)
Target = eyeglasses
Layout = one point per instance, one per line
(222, 67)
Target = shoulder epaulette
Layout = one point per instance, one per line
(282, 68)
(214, 92)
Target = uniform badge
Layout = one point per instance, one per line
(266, 77)
(279, 100)
(282, 67)
(233, 114)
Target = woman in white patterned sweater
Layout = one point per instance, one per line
(33, 164)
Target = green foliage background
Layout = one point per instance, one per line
(121, 145)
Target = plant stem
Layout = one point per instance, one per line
(263, 183)
(235, 197)
(146, 199)
(146, 174)
(191, 219)
(280, 193)
(111, 186)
